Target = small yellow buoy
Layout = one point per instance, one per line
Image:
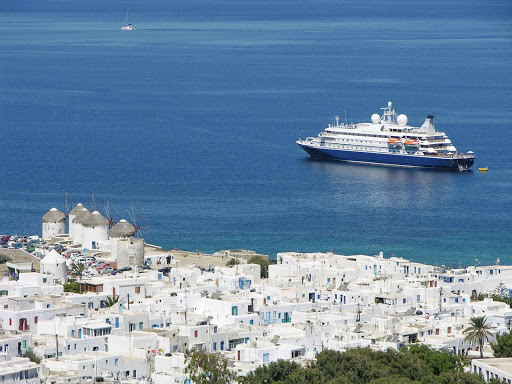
(483, 169)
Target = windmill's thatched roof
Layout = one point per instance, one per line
(75, 211)
(80, 216)
(54, 216)
(95, 219)
(122, 229)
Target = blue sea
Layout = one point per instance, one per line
(193, 118)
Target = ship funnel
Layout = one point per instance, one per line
(428, 125)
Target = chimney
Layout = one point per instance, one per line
(428, 125)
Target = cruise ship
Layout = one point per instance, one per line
(388, 140)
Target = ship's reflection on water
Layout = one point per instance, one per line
(408, 194)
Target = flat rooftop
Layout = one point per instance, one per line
(503, 363)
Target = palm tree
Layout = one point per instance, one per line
(111, 300)
(79, 269)
(479, 332)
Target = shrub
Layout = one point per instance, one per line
(232, 261)
(4, 259)
(33, 357)
(72, 286)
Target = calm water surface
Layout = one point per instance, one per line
(195, 115)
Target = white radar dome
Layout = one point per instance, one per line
(375, 118)
(401, 120)
(390, 104)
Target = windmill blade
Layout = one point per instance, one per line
(146, 225)
(140, 233)
(137, 213)
(100, 207)
(109, 213)
(131, 214)
(145, 219)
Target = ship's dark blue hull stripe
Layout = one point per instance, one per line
(381, 158)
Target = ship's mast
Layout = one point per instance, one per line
(389, 115)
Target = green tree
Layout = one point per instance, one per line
(207, 368)
(111, 301)
(457, 377)
(502, 347)
(479, 332)
(392, 380)
(272, 373)
(436, 361)
(412, 365)
(263, 261)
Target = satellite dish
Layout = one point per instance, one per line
(401, 120)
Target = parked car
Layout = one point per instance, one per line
(104, 265)
(98, 264)
(165, 269)
(108, 270)
(124, 269)
(86, 259)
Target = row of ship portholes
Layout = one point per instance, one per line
(409, 152)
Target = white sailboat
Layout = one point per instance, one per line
(127, 26)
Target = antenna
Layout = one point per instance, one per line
(345, 115)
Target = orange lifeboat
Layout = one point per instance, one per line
(412, 143)
(392, 140)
